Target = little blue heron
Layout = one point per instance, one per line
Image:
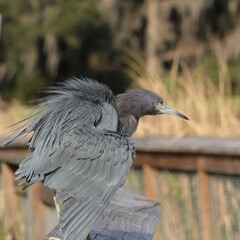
(81, 147)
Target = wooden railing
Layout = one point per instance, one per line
(129, 215)
(202, 156)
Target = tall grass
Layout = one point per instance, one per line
(11, 113)
(210, 105)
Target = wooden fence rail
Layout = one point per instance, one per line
(202, 156)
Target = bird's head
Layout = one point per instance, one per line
(141, 102)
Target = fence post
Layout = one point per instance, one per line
(11, 211)
(37, 212)
(149, 181)
(204, 204)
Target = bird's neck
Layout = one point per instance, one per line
(127, 124)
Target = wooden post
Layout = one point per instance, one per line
(37, 212)
(149, 186)
(149, 181)
(11, 211)
(128, 216)
(204, 204)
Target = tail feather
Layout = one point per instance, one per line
(78, 216)
(87, 226)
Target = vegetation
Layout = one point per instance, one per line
(46, 41)
(205, 97)
(11, 113)
(188, 51)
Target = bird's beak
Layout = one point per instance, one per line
(166, 110)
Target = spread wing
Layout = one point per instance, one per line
(74, 103)
(49, 129)
(95, 164)
(70, 152)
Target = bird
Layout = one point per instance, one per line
(81, 147)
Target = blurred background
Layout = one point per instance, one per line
(188, 51)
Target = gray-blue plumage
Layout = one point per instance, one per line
(81, 147)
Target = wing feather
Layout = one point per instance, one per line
(70, 152)
(84, 190)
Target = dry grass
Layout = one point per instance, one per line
(10, 114)
(212, 109)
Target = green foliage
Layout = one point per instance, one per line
(73, 26)
(209, 65)
(234, 71)
(72, 19)
(46, 41)
(26, 87)
(1, 233)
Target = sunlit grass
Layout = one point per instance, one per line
(212, 108)
(208, 102)
(11, 113)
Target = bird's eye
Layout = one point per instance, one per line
(156, 104)
(160, 100)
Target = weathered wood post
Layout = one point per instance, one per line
(11, 218)
(37, 212)
(128, 216)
